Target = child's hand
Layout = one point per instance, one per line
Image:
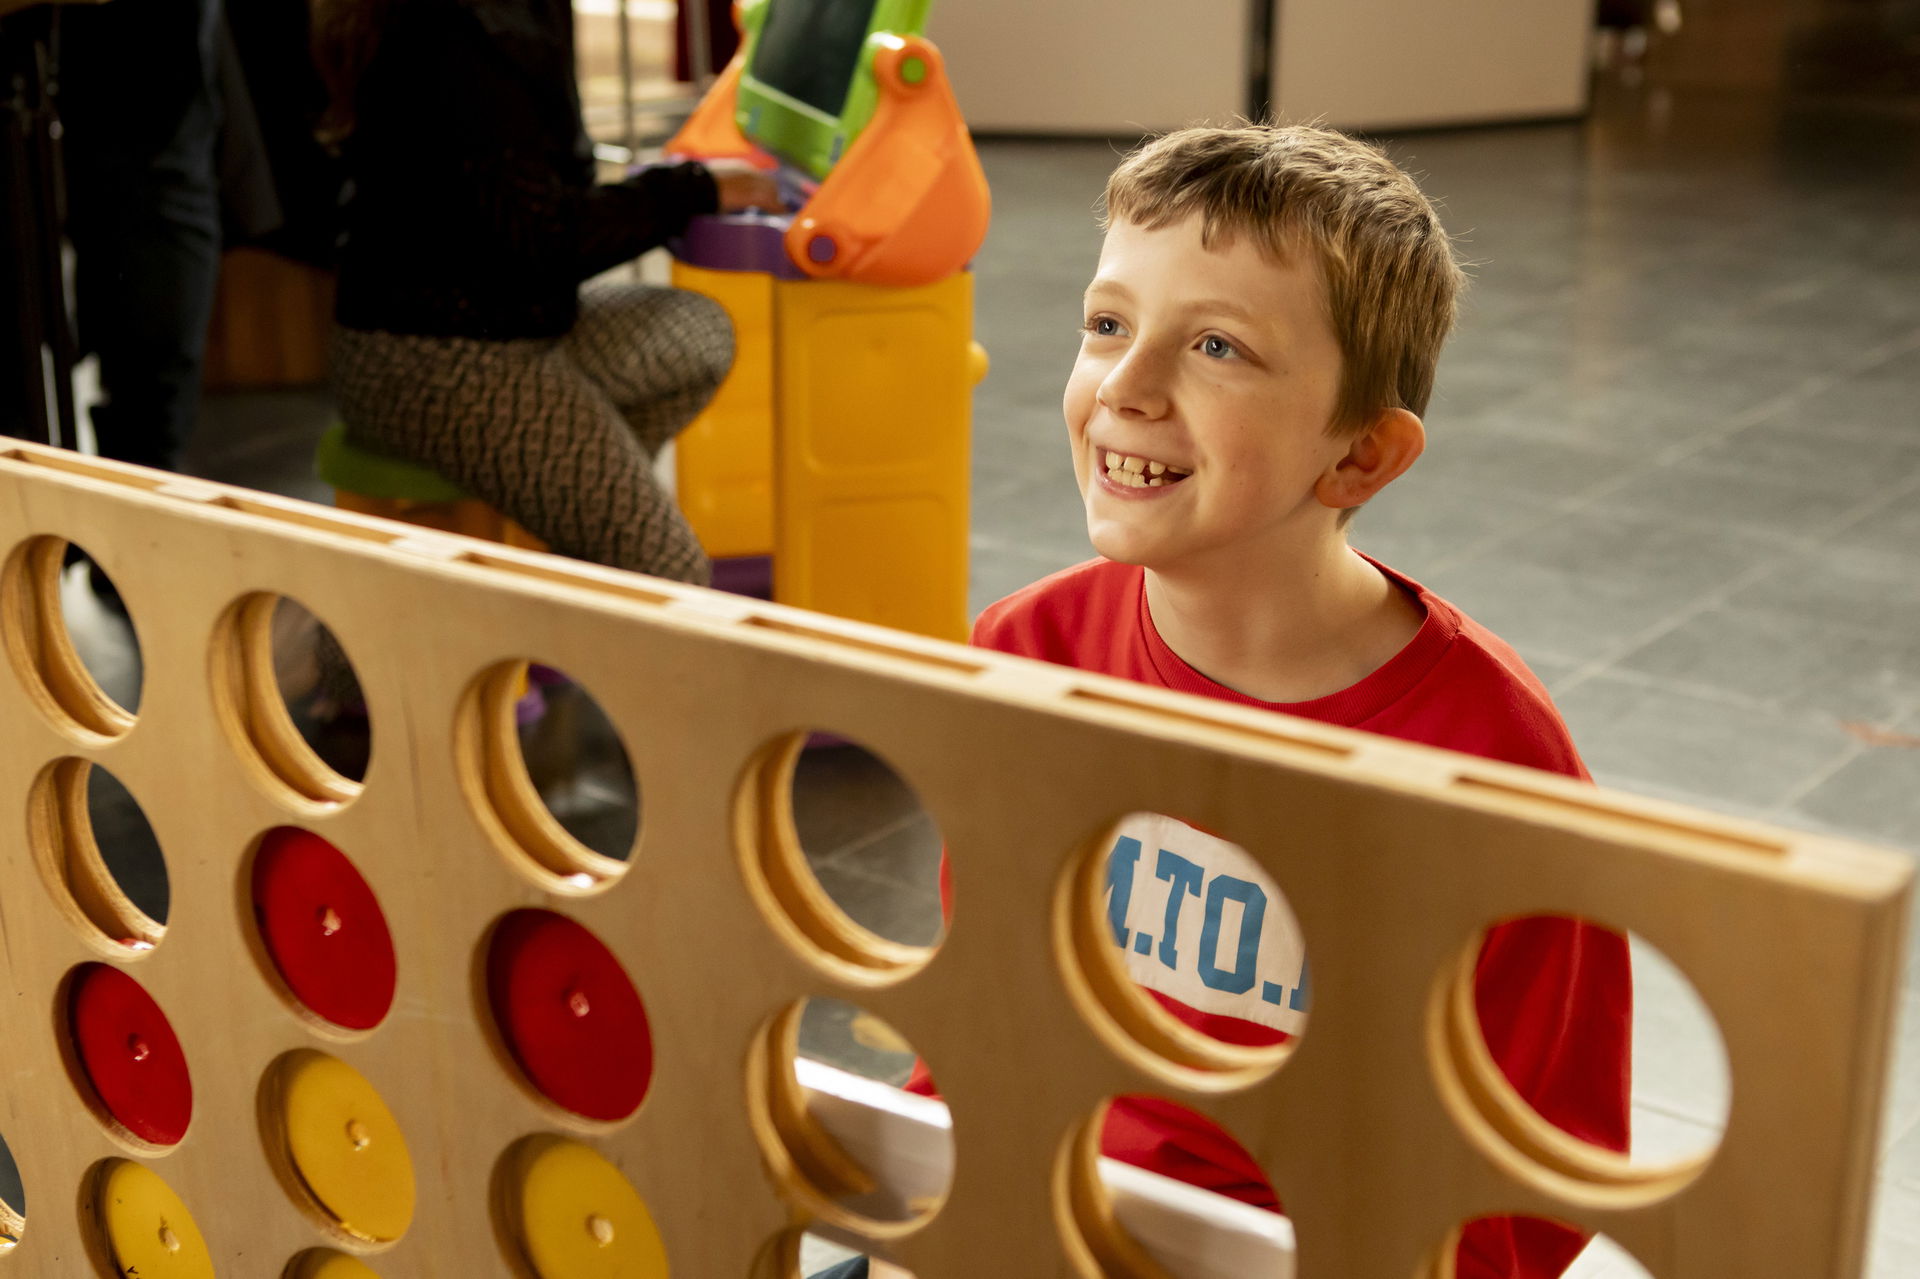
(744, 187)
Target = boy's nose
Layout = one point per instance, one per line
(1137, 384)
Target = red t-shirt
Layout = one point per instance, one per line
(1554, 995)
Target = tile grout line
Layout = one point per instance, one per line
(1739, 422)
(1667, 625)
(1707, 693)
(872, 837)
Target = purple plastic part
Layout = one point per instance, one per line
(531, 706)
(749, 575)
(545, 676)
(821, 248)
(739, 242)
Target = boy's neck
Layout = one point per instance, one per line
(1303, 630)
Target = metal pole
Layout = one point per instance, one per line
(629, 137)
(699, 43)
(1260, 26)
(25, 267)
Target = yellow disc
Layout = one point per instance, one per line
(346, 1146)
(579, 1218)
(149, 1231)
(329, 1265)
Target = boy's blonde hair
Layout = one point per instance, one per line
(1387, 265)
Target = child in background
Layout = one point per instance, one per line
(465, 341)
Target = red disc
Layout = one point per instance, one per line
(569, 1015)
(323, 928)
(129, 1054)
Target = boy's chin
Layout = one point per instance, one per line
(1118, 547)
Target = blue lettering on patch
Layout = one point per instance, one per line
(1185, 877)
(1120, 864)
(1228, 966)
(1253, 914)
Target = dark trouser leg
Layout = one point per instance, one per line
(142, 118)
(521, 427)
(29, 254)
(659, 354)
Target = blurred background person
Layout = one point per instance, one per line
(141, 104)
(465, 341)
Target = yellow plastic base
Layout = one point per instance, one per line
(848, 433)
(723, 463)
(872, 467)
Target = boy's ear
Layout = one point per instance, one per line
(1375, 458)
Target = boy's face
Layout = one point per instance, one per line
(1211, 376)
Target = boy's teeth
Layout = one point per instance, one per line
(1133, 471)
(1125, 468)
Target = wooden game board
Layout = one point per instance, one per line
(1383, 1131)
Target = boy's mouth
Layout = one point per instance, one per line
(1132, 471)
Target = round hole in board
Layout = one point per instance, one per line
(841, 857)
(566, 1211)
(1537, 990)
(568, 1016)
(856, 1142)
(814, 1257)
(99, 857)
(291, 701)
(1548, 1246)
(1116, 1221)
(13, 1200)
(73, 644)
(1182, 953)
(549, 776)
(324, 937)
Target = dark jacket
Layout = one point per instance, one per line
(474, 211)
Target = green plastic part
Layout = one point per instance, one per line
(804, 134)
(913, 70)
(345, 465)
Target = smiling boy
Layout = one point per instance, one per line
(1259, 342)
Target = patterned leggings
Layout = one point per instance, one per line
(558, 433)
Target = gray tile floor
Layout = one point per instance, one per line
(1675, 456)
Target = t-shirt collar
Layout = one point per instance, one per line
(1351, 706)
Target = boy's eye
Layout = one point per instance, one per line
(1217, 347)
(1102, 326)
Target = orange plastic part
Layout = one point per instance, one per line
(908, 203)
(711, 132)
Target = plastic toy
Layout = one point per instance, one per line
(484, 1124)
(840, 442)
